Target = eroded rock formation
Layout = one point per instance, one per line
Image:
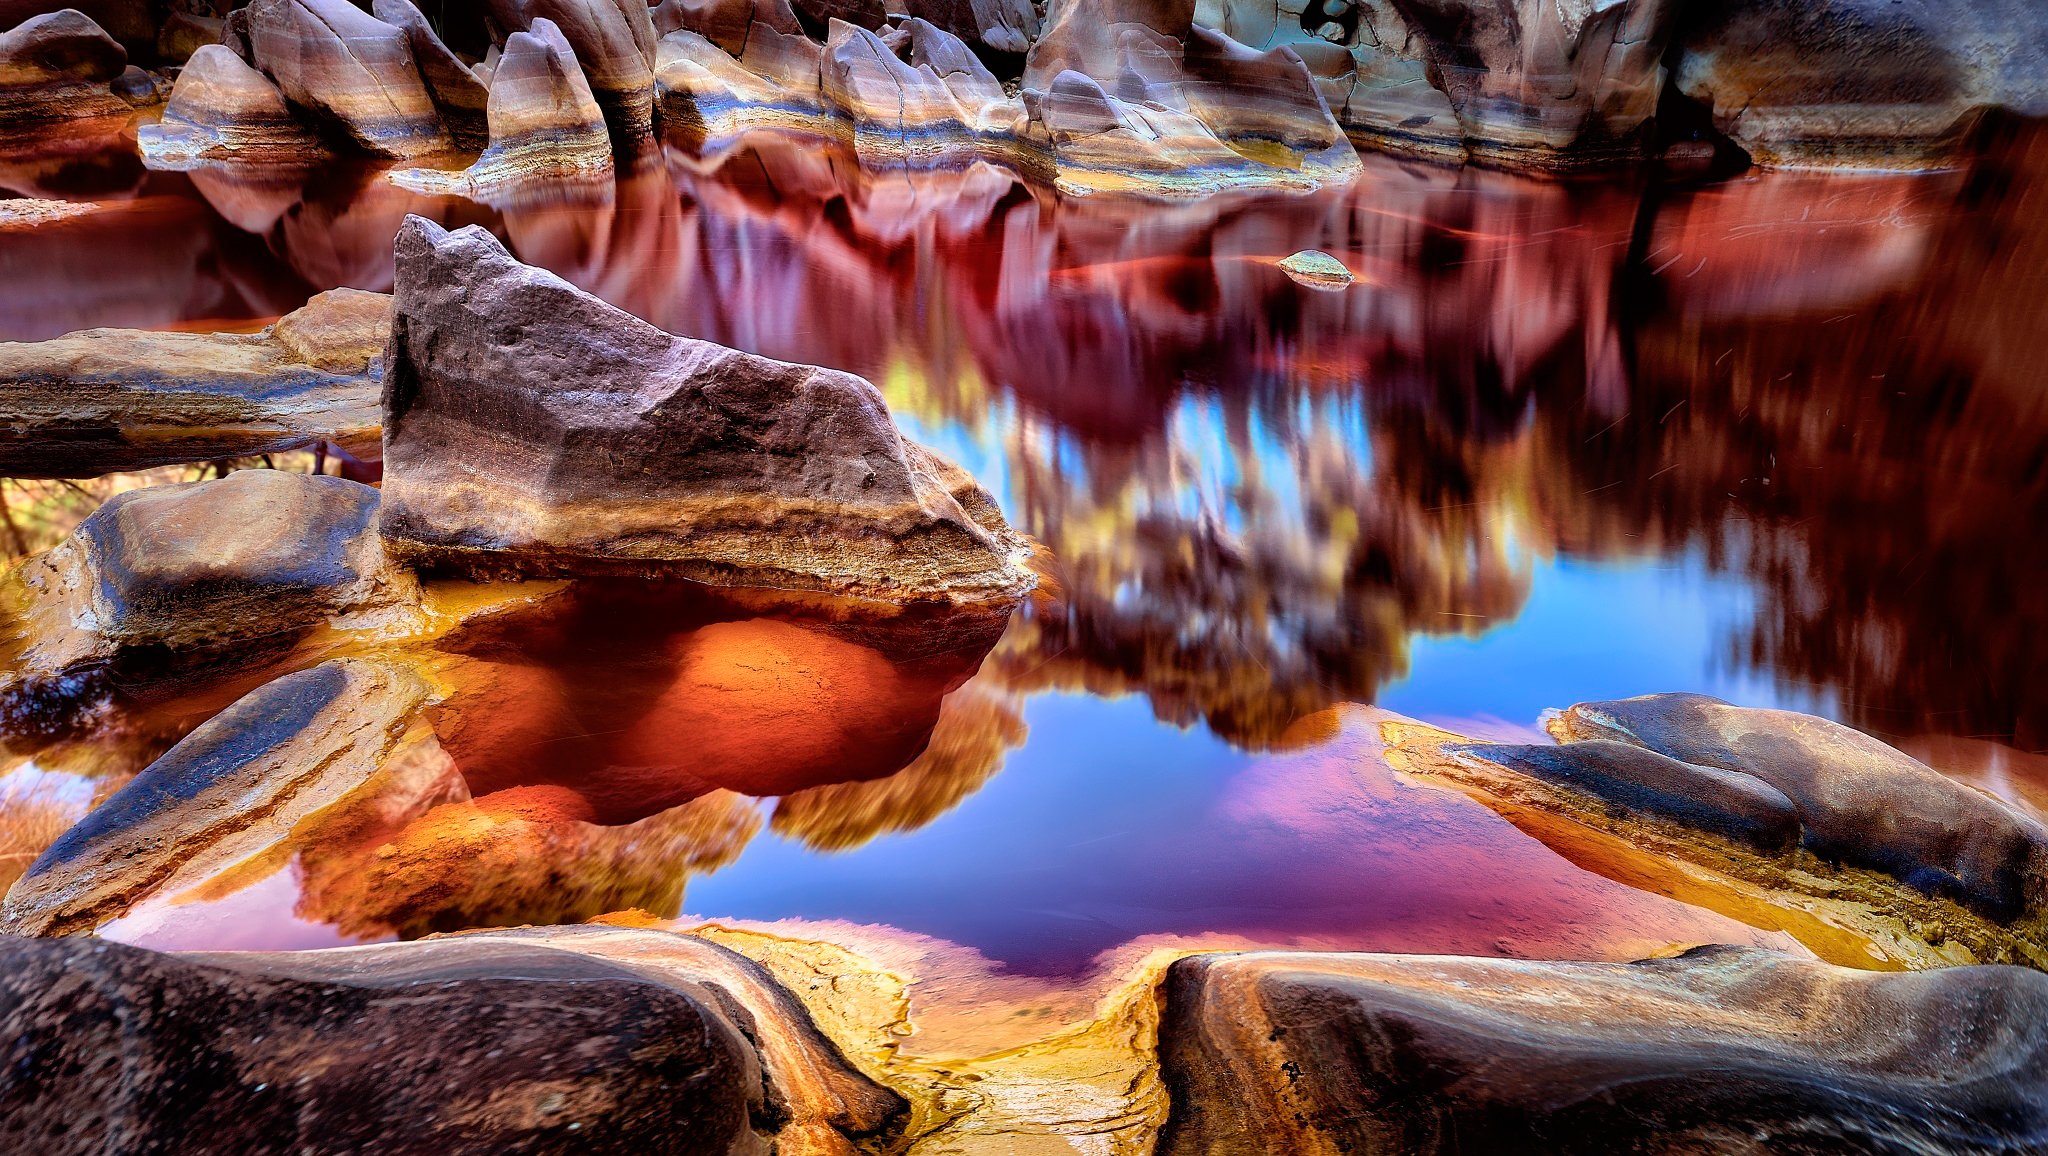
(668, 455)
(350, 69)
(58, 67)
(1722, 1049)
(614, 42)
(109, 400)
(222, 109)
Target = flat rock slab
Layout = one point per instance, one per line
(1722, 1050)
(532, 429)
(108, 400)
(439, 1048)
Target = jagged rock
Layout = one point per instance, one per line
(222, 109)
(1721, 1050)
(613, 40)
(471, 1045)
(460, 96)
(1858, 801)
(1873, 83)
(59, 66)
(108, 400)
(545, 124)
(531, 428)
(350, 69)
(228, 797)
(167, 579)
(916, 111)
(1005, 26)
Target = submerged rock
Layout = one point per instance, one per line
(108, 400)
(222, 109)
(1723, 1049)
(1869, 83)
(613, 40)
(463, 1046)
(1317, 270)
(59, 66)
(531, 428)
(352, 70)
(545, 125)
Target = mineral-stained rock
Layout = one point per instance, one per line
(459, 95)
(1004, 26)
(613, 40)
(1859, 801)
(1876, 83)
(544, 122)
(349, 68)
(1721, 1050)
(1317, 270)
(108, 400)
(229, 796)
(531, 428)
(58, 66)
(165, 580)
(222, 109)
(463, 1046)
(922, 109)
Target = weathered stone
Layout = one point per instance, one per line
(460, 96)
(1317, 270)
(229, 796)
(221, 109)
(1873, 83)
(168, 580)
(59, 66)
(916, 111)
(352, 70)
(462, 1046)
(109, 400)
(1004, 26)
(531, 428)
(1721, 1050)
(131, 22)
(545, 124)
(613, 40)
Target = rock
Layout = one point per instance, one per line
(545, 125)
(59, 66)
(133, 23)
(1869, 83)
(1720, 1050)
(169, 580)
(531, 428)
(230, 795)
(353, 71)
(473, 1045)
(459, 95)
(1317, 270)
(614, 42)
(996, 26)
(221, 109)
(917, 111)
(1859, 801)
(816, 16)
(109, 400)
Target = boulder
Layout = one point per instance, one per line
(169, 580)
(221, 109)
(1007, 27)
(228, 799)
(108, 400)
(59, 66)
(920, 110)
(614, 42)
(531, 428)
(460, 96)
(1871, 83)
(351, 70)
(133, 23)
(1720, 1050)
(472, 1045)
(545, 124)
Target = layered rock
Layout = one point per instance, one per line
(478, 1045)
(109, 400)
(56, 67)
(221, 109)
(519, 440)
(170, 579)
(1008, 27)
(1723, 1049)
(1869, 83)
(351, 70)
(544, 123)
(460, 96)
(614, 42)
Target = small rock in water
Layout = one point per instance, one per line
(1317, 270)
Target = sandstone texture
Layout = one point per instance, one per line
(352, 71)
(108, 400)
(1008, 27)
(58, 66)
(1720, 1050)
(614, 42)
(463, 1046)
(1862, 83)
(459, 94)
(530, 428)
(221, 109)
